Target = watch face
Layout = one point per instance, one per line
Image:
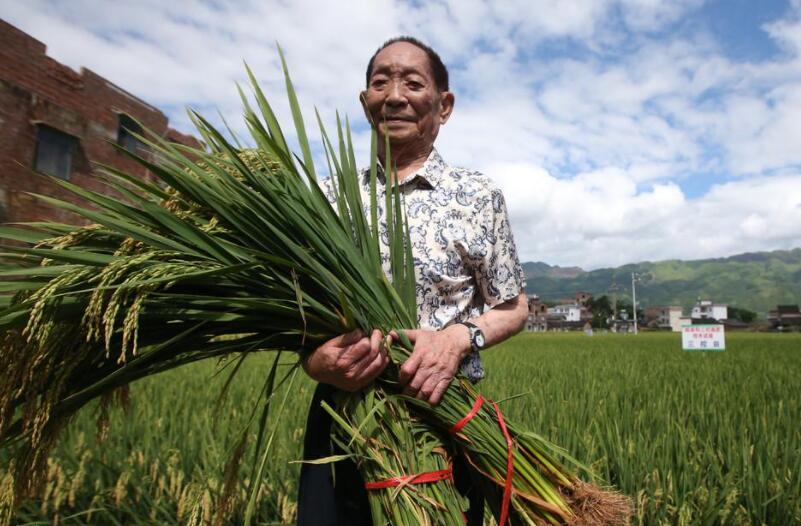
(479, 339)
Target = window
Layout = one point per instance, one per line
(125, 135)
(54, 151)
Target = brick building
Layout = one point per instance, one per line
(537, 314)
(56, 121)
(583, 298)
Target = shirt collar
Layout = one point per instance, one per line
(430, 174)
(433, 169)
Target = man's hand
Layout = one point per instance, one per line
(349, 362)
(434, 361)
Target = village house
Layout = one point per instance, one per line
(706, 310)
(664, 317)
(583, 298)
(785, 317)
(569, 316)
(59, 122)
(541, 318)
(537, 315)
(568, 312)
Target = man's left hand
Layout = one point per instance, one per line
(434, 361)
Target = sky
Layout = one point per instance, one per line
(620, 131)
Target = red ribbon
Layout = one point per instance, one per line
(422, 478)
(455, 428)
(507, 487)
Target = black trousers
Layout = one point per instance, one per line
(323, 503)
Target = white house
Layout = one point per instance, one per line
(571, 312)
(705, 309)
(674, 318)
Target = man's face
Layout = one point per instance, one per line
(402, 99)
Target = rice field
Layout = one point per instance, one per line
(693, 438)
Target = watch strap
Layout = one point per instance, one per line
(474, 331)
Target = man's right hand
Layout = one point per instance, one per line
(349, 362)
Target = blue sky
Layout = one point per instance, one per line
(619, 130)
(737, 25)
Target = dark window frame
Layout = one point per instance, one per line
(3, 205)
(54, 152)
(126, 129)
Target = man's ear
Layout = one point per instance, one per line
(446, 102)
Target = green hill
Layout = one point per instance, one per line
(756, 281)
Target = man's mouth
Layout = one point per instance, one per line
(396, 118)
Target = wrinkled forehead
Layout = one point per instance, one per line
(402, 57)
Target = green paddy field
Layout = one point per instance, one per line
(693, 438)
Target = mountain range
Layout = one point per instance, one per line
(756, 281)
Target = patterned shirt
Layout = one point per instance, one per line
(464, 255)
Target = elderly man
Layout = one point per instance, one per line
(470, 282)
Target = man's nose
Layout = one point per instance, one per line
(397, 94)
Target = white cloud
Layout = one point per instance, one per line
(592, 141)
(650, 15)
(601, 218)
(787, 32)
(764, 133)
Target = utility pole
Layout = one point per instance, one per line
(613, 289)
(634, 299)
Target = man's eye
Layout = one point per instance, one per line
(378, 83)
(413, 84)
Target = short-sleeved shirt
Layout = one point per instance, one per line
(464, 254)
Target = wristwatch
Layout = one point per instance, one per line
(477, 341)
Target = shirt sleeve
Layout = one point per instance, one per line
(498, 273)
(328, 189)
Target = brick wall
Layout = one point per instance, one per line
(34, 89)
